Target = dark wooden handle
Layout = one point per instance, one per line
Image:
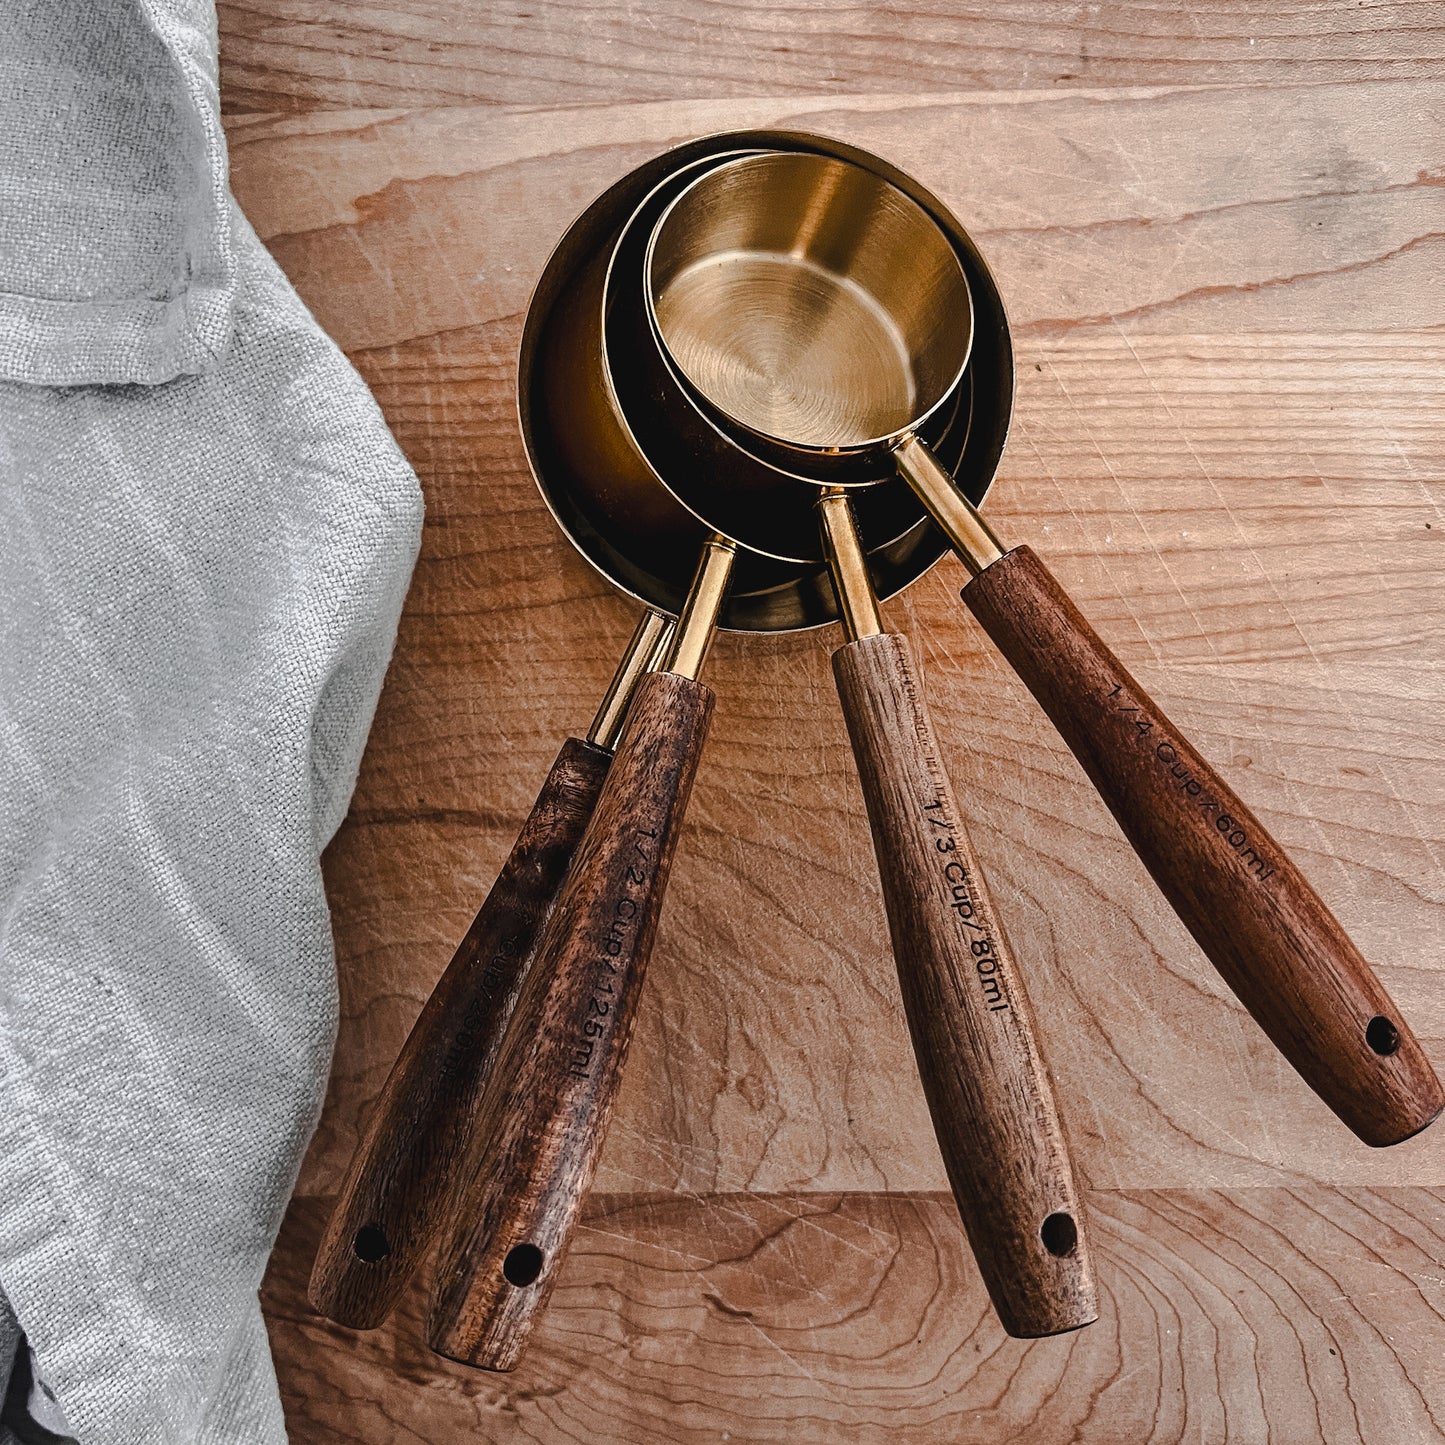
(560, 1067)
(973, 1033)
(1250, 909)
(394, 1193)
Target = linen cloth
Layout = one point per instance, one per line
(206, 533)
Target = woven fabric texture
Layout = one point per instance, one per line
(206, 533)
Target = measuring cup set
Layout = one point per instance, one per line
(764, 379)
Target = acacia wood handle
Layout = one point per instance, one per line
(973, 1033)
(1250, 909)
(393, 1197)
(557, 1076)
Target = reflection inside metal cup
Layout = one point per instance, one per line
(809, 301)
(787, 347)
(630, 527)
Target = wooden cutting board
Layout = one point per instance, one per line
(1220, 234)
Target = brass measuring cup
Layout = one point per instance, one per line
(967, 1007)
(818, 313)
(971, 1022)
(425, 1121)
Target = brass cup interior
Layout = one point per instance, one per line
(809, 301)
(631, 529)
(694, 456)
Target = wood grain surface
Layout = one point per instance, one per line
(302, 54)
(1221, 244)
(1294, 1314)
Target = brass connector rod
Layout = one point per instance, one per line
(643, 654)
(856, 600)
(972, 538)
(693, 635)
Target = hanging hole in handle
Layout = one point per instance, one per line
(1382, 1035)
(522, 1265)
(1060, 1234)
(371, 1245)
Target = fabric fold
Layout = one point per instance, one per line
(201, 575)
(116, 261)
